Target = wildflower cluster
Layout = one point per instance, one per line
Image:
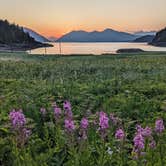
(146, 133)
(120, 135)
(159, 126)
(101, 123)
(18, 121)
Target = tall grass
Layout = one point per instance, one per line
(133, 87)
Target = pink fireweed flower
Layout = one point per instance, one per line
(145, 132)
(43, 111)
(120, 135)
(67, 106)
(83, 128)
(18, 122)
(17, 119)
(152, 144)
(103, 124)
(139, 129)
(103, 121)
(57, 112)
(84, 124)
(159, 126)
(69, 125)
(138, 142)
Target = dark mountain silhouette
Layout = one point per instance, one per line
(160, 38)
(36, 35)
(13, 37)
(108, 35)
(147, 39)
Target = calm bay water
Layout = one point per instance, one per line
(93, 48)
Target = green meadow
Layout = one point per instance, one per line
(131, 86)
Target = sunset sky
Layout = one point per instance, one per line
(57, 17)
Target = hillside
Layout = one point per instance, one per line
(108, 35)
(13, 37)
(147, 39)
(35, 35)
(160, 38)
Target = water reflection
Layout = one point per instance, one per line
(93, 48)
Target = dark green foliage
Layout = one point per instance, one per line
(11, 33)
(160, 38)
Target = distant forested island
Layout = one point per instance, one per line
(13, 37)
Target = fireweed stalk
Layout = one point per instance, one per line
(120, 137)
(159, 126)
(142, 140)
(57, 114)
(67, 109)
(83, 135)
(142, 134)
(83, 128)
(103, 124)
(103, 130)
(139, 145)
(18, 122)
(69, 123)
(159, 129)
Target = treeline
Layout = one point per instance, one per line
(160, 38)
(13, 34)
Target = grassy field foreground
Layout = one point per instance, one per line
(130, 87)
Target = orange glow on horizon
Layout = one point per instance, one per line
(58, 17)
(50, 32)
(57, 31)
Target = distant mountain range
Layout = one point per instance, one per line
(108, 35)
(15, 37)
(160, 38)
(146, 38)
(52, 39)
(145, 33)
(36, 35)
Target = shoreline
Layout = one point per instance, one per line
(81, 55)
(22, 47)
